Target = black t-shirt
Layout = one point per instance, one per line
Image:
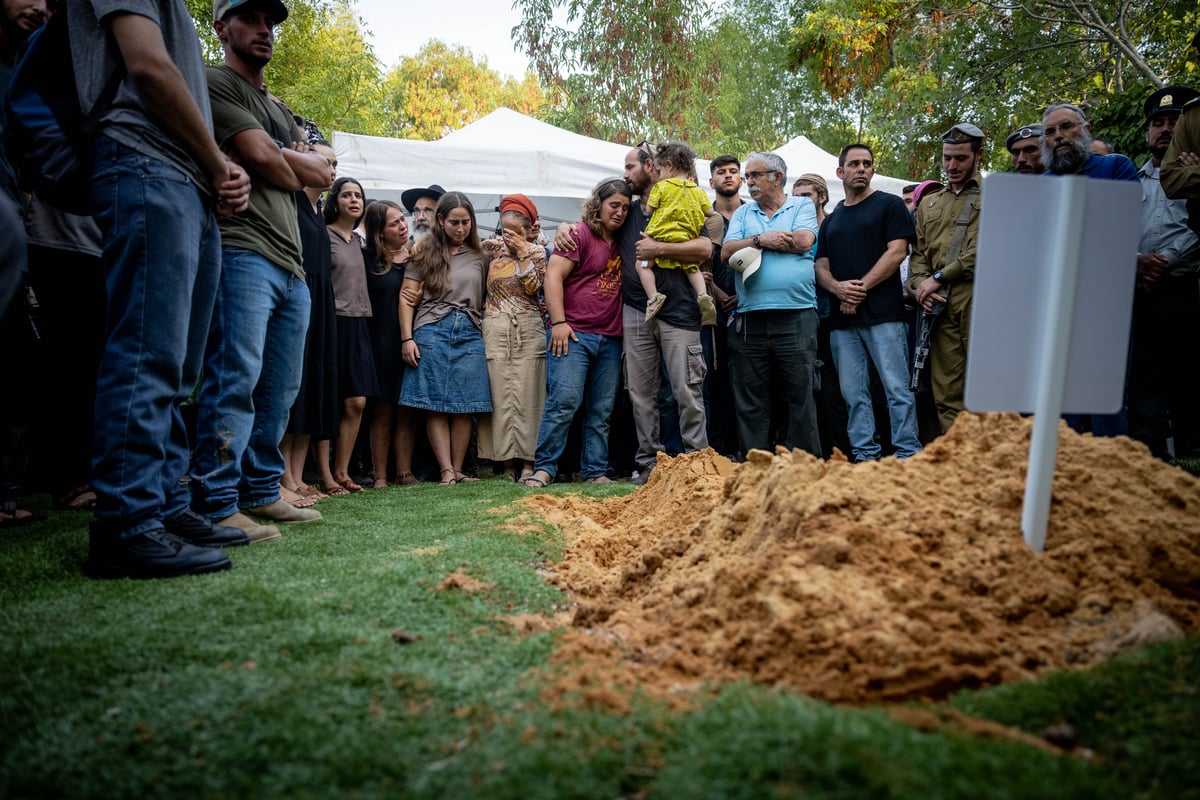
(853, 238)
(680, 308)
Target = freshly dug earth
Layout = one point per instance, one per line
(876, 582)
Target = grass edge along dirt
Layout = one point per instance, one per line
(284, 677)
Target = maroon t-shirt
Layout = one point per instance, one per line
(592, 290)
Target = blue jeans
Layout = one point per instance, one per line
(588, 376)
(161, 268)
(251, 376)
(886, 345)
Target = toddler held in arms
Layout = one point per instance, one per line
(678, 207)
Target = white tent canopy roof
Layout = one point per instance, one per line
(508, 152)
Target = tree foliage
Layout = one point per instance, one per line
(733, 76)
(626, 69)
(443, 87)
(323, 66)
(918, 66)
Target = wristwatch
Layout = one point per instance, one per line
(754, 241)
(938, 276)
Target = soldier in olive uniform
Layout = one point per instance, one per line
(1180, 169)
(942, 266)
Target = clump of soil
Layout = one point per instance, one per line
(463, 581)
(881, 581)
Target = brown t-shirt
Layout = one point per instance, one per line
(463, 291)
(348, 276)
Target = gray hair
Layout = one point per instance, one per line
(1078, 112)
(770, 160)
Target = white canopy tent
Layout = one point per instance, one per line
(508, 152)
(503, 153)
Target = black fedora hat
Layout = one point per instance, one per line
(409, 197)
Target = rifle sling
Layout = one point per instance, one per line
(960, 233)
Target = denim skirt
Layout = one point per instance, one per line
(451, 376)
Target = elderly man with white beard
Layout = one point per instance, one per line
(1066, 147)
(1066, 143)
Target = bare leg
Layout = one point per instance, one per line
(352, 411)
(437, 428)
(646, 276)
(327, 482)
(460, 439)
(708, 309)
(404, 439)
(286, 448)
(299, 456)
(382, 417)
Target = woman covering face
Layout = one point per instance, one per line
(514, 337)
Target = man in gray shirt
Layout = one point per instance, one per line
(158, 183)
(1164, 387)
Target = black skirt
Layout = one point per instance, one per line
(317, 409)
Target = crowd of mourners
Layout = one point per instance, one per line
(237, 331)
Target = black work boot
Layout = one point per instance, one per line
(153, 554)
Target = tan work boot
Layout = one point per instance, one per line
(254, 532)
(283, 511)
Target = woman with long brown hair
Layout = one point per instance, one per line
(356, 363)
(386, 255)
(583, 295)
(440, 338)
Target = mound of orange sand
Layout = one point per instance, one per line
(880, 581)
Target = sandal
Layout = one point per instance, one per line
(601, 479)
(296, 499)
(11, 516)
(334, 490)
(526, 474)
(380, 483)
(350, 486)
(407, 479)
(310, 491)
(464, 478)
(448, 481)
(81, 498)
(654, 305)
(535, 482)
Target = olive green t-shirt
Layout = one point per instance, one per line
(269, 226)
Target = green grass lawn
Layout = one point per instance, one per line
(281, 678)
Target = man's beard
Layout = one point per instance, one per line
(727, 192)
(1067, 162)
(419, 233)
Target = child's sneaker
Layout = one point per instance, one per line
(654, 305)
(708, 309)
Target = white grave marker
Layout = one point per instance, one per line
(1053, 297)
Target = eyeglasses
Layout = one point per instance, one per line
(755, 175)
(1065, 127)
(424, 212)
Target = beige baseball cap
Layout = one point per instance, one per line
(746, 261)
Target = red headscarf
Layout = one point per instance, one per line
(521, 203)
